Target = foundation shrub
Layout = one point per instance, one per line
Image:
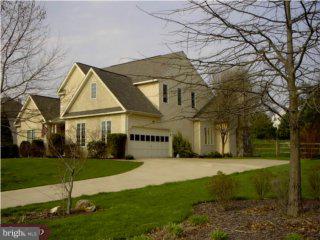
(181, 146)
(56, 145)
(25, 149)
(116, 145)
(97, 149)
(37, 148)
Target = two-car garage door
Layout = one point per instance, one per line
(144, 143)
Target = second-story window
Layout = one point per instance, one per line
(193, 100)
(179, 96)
(165, 93)
(93, 90)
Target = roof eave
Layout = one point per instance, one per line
(145, 113)
(91, 115)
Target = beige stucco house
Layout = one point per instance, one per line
(38, 118)
(149, 100)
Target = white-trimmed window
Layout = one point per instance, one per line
(81, 134)
(93, 90)
(105, 130)
(30, 135)
(208, 136)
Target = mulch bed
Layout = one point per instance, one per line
(45, 214)
(251, 219)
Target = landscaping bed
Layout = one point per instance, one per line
(250, 219)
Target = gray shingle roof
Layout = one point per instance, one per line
(162, 66)
(10, 107)
(131, 98)
(48, 106)
(203, 112)
(84, 67)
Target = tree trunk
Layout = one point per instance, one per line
(247, 147)
(69, 197)
(224, 137)
(294, 198)
(222, 147)
(294, 202)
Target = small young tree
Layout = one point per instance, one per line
(71, 167)
(224, 130)
(231, 106)
(71, 164)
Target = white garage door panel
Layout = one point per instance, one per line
(148, 148)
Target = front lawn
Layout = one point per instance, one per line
(133, 212)
(19, 173)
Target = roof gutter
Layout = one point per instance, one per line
(146, 82)
(144, 113)
(91, 115)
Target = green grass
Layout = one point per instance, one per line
(198, 219)
(19, 173)
(267, 148)
(219, 235)
(135, 212)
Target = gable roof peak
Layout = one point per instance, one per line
(156, 67)
(104, 70)
(97, 69)
(84, 67)
(166, 55)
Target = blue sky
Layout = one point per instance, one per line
(106, 33)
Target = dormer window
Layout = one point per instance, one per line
(165, 93)
(93, 90)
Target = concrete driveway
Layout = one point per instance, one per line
(152, 172)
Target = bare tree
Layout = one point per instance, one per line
(224, 130)
(72, 161)
(27, 63)
(278, 42)
(231, 106)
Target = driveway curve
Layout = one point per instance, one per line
(152, 172)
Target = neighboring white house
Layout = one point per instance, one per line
(150, 100)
